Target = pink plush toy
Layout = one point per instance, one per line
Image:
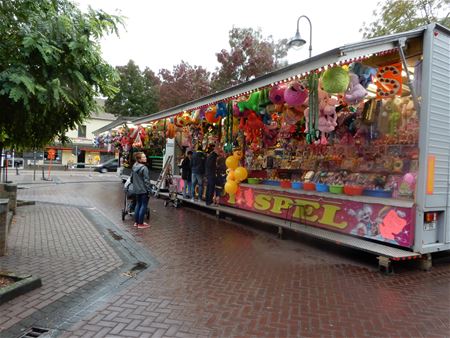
(295, 94)
(327, 114)
(276, 94)
(355, 91)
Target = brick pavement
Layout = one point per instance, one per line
(59, 245)
(219, 279)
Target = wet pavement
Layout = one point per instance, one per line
(212, 277)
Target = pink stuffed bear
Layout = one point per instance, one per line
(355, 91)
(327, 114)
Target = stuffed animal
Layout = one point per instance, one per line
(295, 94)
(270, 134)
(221, 109)
(253, 127)
(252, 103)
(335, 80)
(355, 91)
(276, 94)
(365, 73)
(211, 116)
(327, 115)
(291, 115)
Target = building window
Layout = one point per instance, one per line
(82, 131)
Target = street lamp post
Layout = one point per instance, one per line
(297, 40)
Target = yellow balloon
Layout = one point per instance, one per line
(232, 162)
(231, 176)
(231, 187)
(240, 173)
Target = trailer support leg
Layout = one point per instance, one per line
(280, 232)
(385, 265)
(425, 263)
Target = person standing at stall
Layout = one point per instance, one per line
(221, 176)
(186, 175)
(210, 169)
(142, 188)
(198, 170)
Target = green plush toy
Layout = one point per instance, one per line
(335, 80)
(252, 103)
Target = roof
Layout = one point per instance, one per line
(117, 122)
(344, 53)
(102, 116)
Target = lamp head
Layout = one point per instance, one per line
(297, 41)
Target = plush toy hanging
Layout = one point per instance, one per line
(355, 91)
(276, 94)
(195, 117)
(221, 109)
(365, 73)
(335, 80)
(252, 103)
(182, 120)
(210, 115)
(170, 133)
(295, 94)
(252, 128)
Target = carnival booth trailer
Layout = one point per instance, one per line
(351, 146)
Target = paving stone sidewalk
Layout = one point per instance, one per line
(62, 246)
(215, 278)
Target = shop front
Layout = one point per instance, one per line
(354, 141)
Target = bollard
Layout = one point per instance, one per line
(17, 171)
(11, 189)
(3, 224)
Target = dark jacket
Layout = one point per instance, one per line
(198, 163)
(141, 179)
(186, 172)
(211, 166)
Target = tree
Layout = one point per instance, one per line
(396, 16)
(138, 92)
(51, 69)
(185, 83)
(250, 56)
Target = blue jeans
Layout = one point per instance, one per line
(187, 187)
(141, 208)
(197, 179)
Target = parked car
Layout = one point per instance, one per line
(110, 165)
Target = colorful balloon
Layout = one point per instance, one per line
(232, 162)
(240, 173)
(231, 187)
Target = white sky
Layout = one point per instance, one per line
(159, 34)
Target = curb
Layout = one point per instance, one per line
(23, 285)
